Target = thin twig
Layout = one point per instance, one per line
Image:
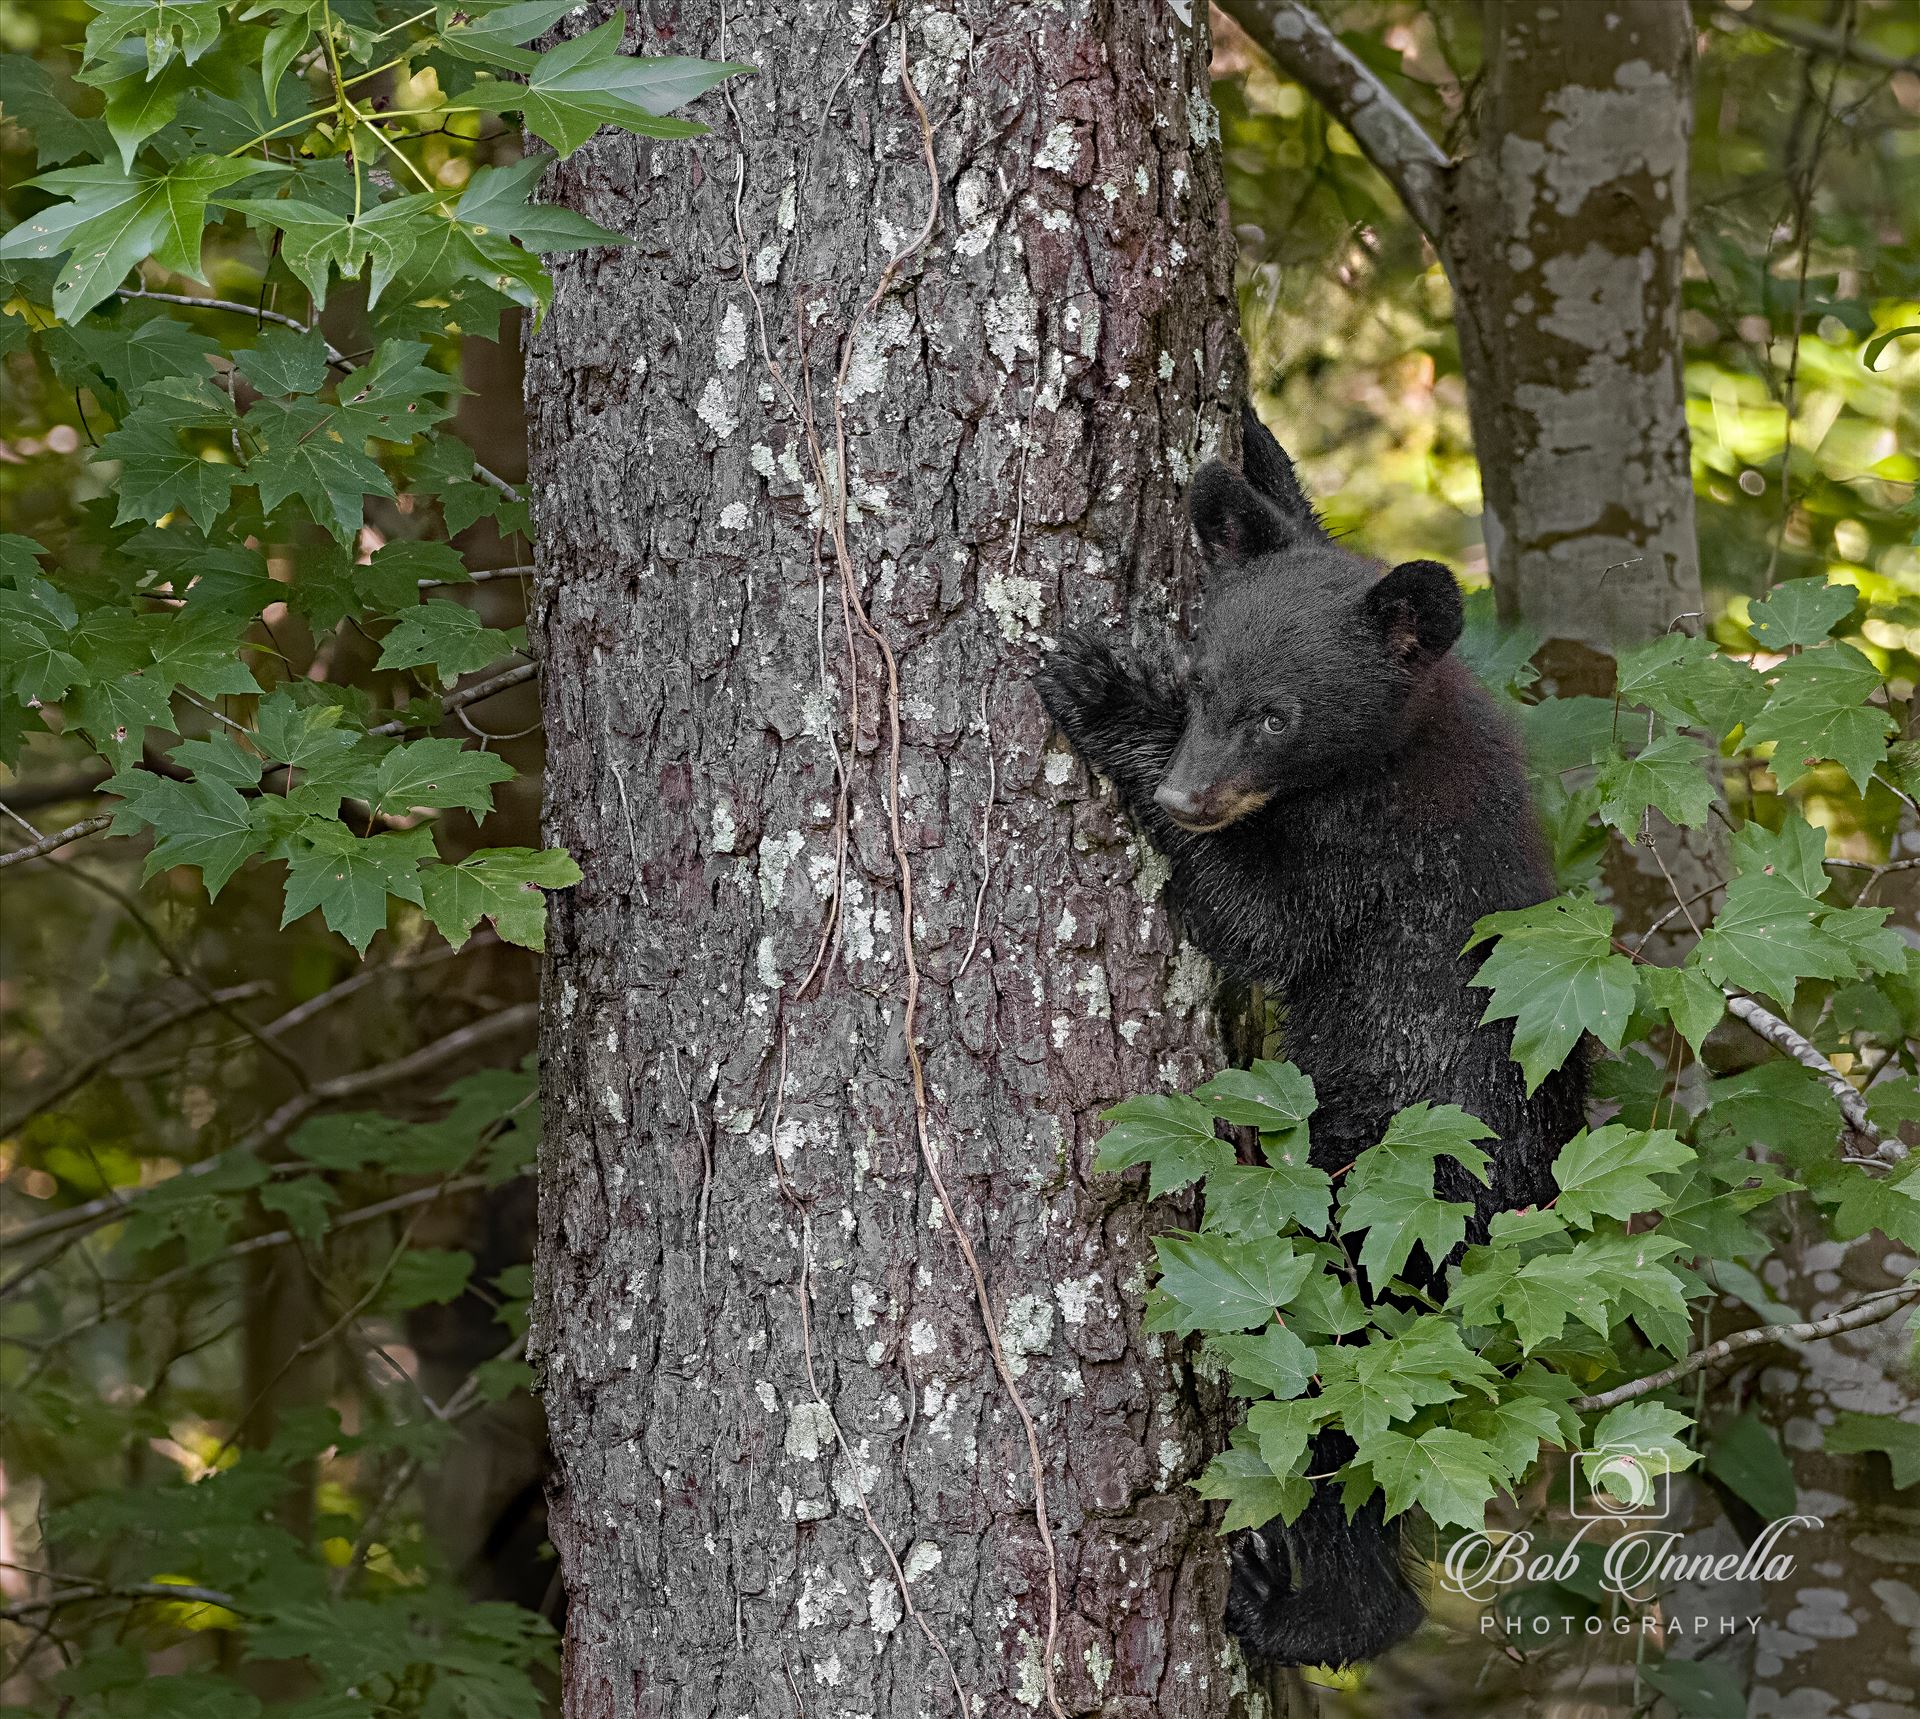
(1306, 49)
(289, 1116)
(59, 839)
(1869, 1310)
(452, 701)
(1783, 1037)
(178, 1592)
(83, 1071)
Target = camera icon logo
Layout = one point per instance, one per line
(1620, 1482)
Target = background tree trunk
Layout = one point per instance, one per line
(1566, 247)
(1563, 231)
(787, 1101)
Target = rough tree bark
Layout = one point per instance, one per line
(1563, 232)
(908, 364)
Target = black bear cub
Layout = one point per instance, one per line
(1339, 801)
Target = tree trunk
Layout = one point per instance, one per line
(1566, 248)
(1563, 231)
(840, 1335)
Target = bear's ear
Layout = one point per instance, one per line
(1270, 471)
(1234, 521)
(1418, 611)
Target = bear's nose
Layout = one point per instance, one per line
(1178, 803)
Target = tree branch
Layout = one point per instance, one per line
(59, 839)
(1869, 1310)
(471, 695)
(1816, 39)
(1783, 1037)
(1395, 142)
(177, 1591)
(83, 1071)
(408, 1201)
(296, 1110)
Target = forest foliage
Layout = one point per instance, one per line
(264, 577)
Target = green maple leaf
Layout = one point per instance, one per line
(34, 660)
(1447, 1474)
(113, 220)
(1708, 1220)
(1859, 1204)
(440, 256)
(394, 396)
(163, 447)
(1395, 1215)
(306, 449)
(202, 823)
(1554, 974)
(306, 736)
(1670, 775)
(1863, 931)
(1207, 1284)
(1796, 852)
(1170, 1133)
(1260, 1200)
(1819, 710)
(1276, 1363)
(391, 579)
(219, 759)
(187, 28)
(1692, 1002)
(1629, 1271)
(140, 104)
(1393, 1378)
(1253, 1493)
(1511, 1432)
(1697, 1688)
(1898, 1440)
(1274, 1097)
(574, 89)
(115, 713)
(424, 1276)
(495, 202)
(1770, 934)
(439, 773)
(285, 361)
(305, 1202)
(201, 651)
(28, 94)
(314, 240)
(1281, 1431)
(1417, 1138)
(1537, 1299)
(1686, 680)
(1800, 612)
(489, 30)
(504, 885)
(116, 354)
(1607, 1172)
(447, 637)
(349, 878)
(1646, 1425)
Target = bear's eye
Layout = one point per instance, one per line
(1274, 723)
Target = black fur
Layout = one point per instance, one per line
(1340, 802)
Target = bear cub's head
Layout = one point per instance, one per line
(1307, 655)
